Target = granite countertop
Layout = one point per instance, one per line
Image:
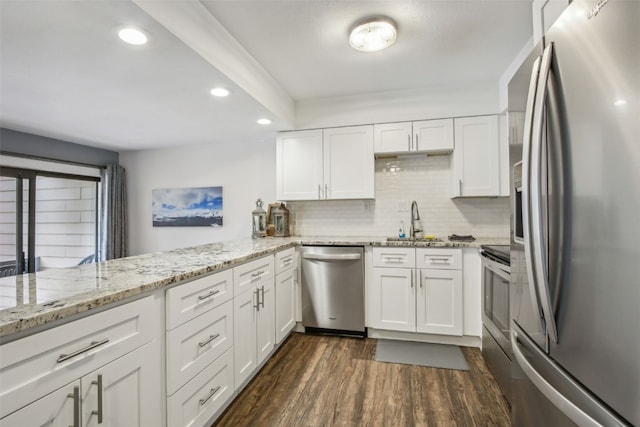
(31, 300)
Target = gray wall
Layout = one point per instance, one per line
(42, 147)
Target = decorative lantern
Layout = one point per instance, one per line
(259, 220)
(281, 221)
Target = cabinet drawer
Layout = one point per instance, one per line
(197, 343)
(247, 276)
(440, 258)
(285, 260)
(394, 257)
(200, 399)
(187, 301)
(41, 363)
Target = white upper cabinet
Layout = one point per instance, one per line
(427, 136)
(334, 163)
(349, 169)
(433, 136)
(475, 163)
(299, 165)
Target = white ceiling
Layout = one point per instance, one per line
(65, 74)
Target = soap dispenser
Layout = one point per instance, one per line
(401, 230)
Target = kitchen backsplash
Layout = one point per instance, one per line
(398, 182)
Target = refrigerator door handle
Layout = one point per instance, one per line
(535, 186)
(519, 341)
(526, 167)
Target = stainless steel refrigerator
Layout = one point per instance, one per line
(574, 109)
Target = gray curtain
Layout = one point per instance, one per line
(113, 215)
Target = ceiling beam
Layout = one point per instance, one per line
(192, 23)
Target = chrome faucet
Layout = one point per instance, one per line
(415, 218)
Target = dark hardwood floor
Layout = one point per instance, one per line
(335, 381)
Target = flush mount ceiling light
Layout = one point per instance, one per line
(220, 92)
(264, 122)
(373, 34)
(132, 36)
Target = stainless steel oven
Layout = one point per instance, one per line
(496, 346)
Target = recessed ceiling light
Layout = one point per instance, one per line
(220, 92)
(132, 36)
(373, 34)
(620, 102)
(264, 121)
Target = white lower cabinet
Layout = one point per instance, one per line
(57, 409)
(285, 293)
(199, 399)
(417, 290)
(125, 392)
(102, 369)
(254, 319)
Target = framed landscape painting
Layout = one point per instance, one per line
(187, 207)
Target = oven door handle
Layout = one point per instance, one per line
(497, 268)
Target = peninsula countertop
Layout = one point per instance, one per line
(31, 300)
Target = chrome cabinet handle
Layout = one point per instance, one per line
(99, 411)
(440, 260)
(412, 277)
(319, 191)
(417, 143)
(262, 289)
(326, 191)
(420, 279)
(257, 306)
(408, 142)
(295, 275)
(398, 259)
(76, 406)
(210, 395)
(460, 187)
(210, 294)
(208, 340)
(91, 346)
(286, 261)
(535, 188)
(258, 274)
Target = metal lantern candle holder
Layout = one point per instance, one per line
(259, 217)
(281, 221)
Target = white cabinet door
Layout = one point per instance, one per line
(433, 136)
(299, 165)
(285, 304)
(476, 157)
(265, 322)
(53, 410)
(439, 302)
(349, 170)
(394, 301)
(126, 392)
(244, 335)
(392, 137)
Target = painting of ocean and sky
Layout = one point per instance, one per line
(190, 207)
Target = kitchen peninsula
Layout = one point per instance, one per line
(205, 317)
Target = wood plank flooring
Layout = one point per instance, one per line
(315, 381)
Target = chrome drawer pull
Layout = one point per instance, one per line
(91, 346)
(287, 260)
(211, 338)
(76, 406)
(447, 260)
(210, 395)
(259, 273)
(99, 411)
(397, 259)
(210, 294)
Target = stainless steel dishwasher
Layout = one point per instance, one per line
(333, 289)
